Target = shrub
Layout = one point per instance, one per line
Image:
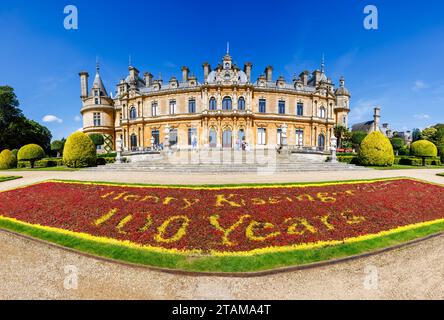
(353, 159)
(376, 150)
(97, 139)
(31, 153)
(101, 161)
(15, 152)
(357, 138)
(23, 164)
(7, 160)
(79, 151)
(423, 149)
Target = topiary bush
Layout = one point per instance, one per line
(31, 153)
(79, 151)
(376, 150)
(423, 149)
(7, 160)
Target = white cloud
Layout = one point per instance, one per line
(51, 118)
(77, 118)
(363, 110)
(422, 116)
(419, 85)
(80, 129)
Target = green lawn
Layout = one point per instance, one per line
(401, 167)
(59, 168)
(7, 178)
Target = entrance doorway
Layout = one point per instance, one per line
(213, 138)
(227, 139)
(321, 142)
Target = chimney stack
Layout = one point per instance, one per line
(185, 72)
(148, 79)
(84, 84)
(304, 77)
(247, 70)
(269, 73)
(134, 73)
(207, 69)
(376, 117)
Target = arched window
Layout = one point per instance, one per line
(322, 113)
(226, 103)
(241, 104)
(133, 113)
(213, 104)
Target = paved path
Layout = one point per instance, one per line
(30, 269)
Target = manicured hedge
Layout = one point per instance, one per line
(7, 160)
(423, 148)
(376, 150)
(79, 151)
(31, 152)
(349, 159)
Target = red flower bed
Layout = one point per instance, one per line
(226, 219)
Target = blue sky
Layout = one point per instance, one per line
(398, 67)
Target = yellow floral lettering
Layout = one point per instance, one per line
(295, 222)
(258, 201)
(324, 220)
(123, 223)
(105, 217)
(189, 203)
(131, 196)
(178, 235)
(304, 197)
(221, 199)
(107, 195)
(148, 198)
(351, 218)
(148, 223)
(214, 220)
(249, 232)
(323, 196)
(167, 200)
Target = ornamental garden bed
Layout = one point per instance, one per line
(225, 228)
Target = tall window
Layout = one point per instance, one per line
(281, 107)
(262, 106)
(300, 137)
(155, 135)
(96, 101)
(133, 113)
(241, 104)
(133, 141)
(154, 109)
(172, 106)
(213, 104)
(322, 113)
(261, 136)
(300, 109)
(173, 137)
(192, 106)
(97, 119)
(344, 120)
(226, 103)
(192, 134)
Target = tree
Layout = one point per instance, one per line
(97, 139)
(397, 144)
(31, 152)
(416, 134)
(423, 149)
(429, 134)
(357, 138)
(57, 147)
(339, 132)
(16, 130)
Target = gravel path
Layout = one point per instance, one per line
(34, 270)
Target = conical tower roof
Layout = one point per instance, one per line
(98, 84)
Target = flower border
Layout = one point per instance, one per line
(18, 226)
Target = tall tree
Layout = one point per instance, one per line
(16, 130)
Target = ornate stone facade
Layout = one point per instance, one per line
(224, 111)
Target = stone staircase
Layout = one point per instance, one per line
(230, 161)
